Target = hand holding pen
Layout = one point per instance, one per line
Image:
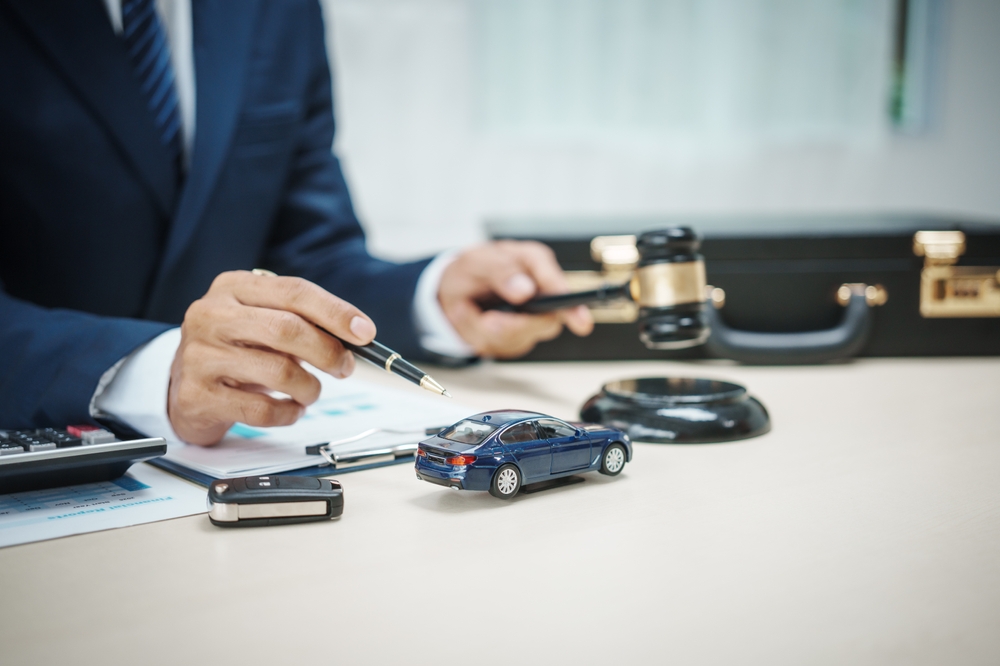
(244, 339)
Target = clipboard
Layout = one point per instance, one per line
(355, 425)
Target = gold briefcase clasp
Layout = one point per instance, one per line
(947, 290)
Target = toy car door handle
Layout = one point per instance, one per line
(843, 340)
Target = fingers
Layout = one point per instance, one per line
(256, 409)
(301, 297)
(226, 321)
(502, 334)
(578, 320)
(245, 339)
(285, 332)
(208, 417)
(515, 271)
(512, 335)
(257, 370)
(203, 403)
(539, 262)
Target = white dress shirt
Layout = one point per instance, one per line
(134, 390)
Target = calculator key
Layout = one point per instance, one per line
(7, 449)
(28, 441)
(78, 430)
(41, 446)
(97, 437)
(61, 439)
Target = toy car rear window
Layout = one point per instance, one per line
(468, 432)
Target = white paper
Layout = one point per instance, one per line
(346, 408)
(143, 495)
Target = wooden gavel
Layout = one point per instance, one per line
(668, 284)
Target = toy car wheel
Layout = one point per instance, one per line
(613, 461)
(506, 482)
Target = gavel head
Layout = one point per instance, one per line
(669, 287)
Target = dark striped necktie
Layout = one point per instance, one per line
(149, 54)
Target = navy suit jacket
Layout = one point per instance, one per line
(101, 249)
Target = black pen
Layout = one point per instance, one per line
(378, 354)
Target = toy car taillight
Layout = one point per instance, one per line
(421, 453)
(461, 460)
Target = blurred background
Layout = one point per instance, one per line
(452, 112)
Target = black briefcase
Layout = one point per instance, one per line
(796, 289)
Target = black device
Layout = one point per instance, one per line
(257, 501)
(795, 288)
(51, 457)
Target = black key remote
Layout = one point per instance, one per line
(256, 501)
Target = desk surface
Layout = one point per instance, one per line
(865, 528)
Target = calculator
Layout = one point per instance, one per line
(50, 457)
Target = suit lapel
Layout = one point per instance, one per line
(223, 31)
(80, 42)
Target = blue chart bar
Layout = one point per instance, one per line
(128, 483)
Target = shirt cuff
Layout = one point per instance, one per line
(436, 333)
(134, 390)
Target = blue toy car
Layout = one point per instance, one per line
(499, 451)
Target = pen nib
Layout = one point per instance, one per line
(427, 382)
(446, 394)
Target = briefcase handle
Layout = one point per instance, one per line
(844, 340)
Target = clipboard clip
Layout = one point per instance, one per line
(347, 460)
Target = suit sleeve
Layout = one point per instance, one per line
(317, 235)
(52, 360)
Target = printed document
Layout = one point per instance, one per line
(144, 495)
(346, 409)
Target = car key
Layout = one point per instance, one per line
(256, 501)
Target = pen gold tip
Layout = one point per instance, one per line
(428, 383)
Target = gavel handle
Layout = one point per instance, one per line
(602, 294)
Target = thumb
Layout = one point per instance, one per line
(514, 286)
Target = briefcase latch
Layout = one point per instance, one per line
(947, 290)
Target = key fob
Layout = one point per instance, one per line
(256, 501)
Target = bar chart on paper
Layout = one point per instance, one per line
(143, 495)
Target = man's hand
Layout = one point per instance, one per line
(246, 338)
(514, 271)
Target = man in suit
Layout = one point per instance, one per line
(151, 152)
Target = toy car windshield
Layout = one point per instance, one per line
(468, 432)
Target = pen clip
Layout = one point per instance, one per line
(356, 459)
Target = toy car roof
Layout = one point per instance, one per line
(502, 417)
